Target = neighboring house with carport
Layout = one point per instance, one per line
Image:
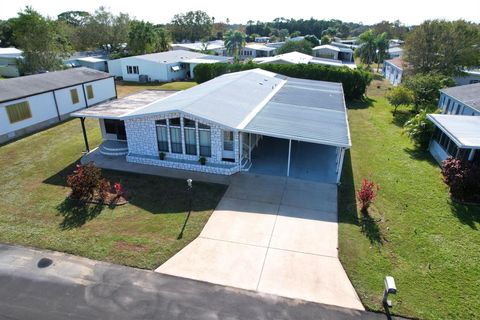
(395, 52)
(257, 50)
(9, 58)
(457, 131)
(30, 103)
(393, 70)
(253, 120)
(329, 51)
(298, 57)
(217, 46)
(162, 66)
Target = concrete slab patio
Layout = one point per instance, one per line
(274, 235)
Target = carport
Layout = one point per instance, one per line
(303, 134)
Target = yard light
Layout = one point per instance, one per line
(189, 183)
(390, 287)
(189, 195)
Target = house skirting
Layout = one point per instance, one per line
(184, 165)
(30, 129)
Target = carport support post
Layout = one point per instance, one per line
(340, 165)
(82, 120)
(289, 154)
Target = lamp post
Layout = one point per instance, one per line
(189, 195)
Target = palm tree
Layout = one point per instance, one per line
(368, 47)
(234, 41)
(381, 42)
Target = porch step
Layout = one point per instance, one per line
(114, 148)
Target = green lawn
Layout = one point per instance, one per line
(416, 234)
(142, 233)
(124, 88)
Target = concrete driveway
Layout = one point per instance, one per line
(274, 235)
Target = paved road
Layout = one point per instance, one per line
(272, 235)
(79, 288)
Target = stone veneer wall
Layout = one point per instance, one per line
(143, 147)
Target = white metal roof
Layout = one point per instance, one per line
(10, 52)
(333, 48)
(463, 130)
(263, 102)
(259, 46)
(291, 57)
(92, 59)
(199, 46)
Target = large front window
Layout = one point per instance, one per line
(162, 135)
(176, 135)
(205, 140)
(190, 136)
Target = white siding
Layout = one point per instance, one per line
(42, 107)
(64, 100)
(155, 70)
(102, 90)
(115, 67)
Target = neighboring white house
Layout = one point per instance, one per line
(256, 50)
(470, 77)
(329, 51)
(33, 102)
(457, 130)
(395, 52)
(217, 46)
(253, 120)
(8, 62)
(262, 39)
(298, 57)
(393, 70)
(96, 60)
(163, 66)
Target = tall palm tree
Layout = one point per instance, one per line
(368, 47)
(381, 42)
(234, 41)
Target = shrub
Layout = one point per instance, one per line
(354, 82)
(118, 189)
(103, 189)
(84, 181)
(462, 178)
(419, 129)
(426, 89)
(202, 161)
(399, 96)
(367, 194)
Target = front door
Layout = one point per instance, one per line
(228, 149)
(115, 128)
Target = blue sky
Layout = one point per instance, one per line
(368, 12)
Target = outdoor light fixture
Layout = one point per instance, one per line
(390, 287)
(189, 183)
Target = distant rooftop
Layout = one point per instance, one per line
(199, 46)
(176, 56)
(298, 57)
(118, 108)
(259, 46)
(398, 62)
(333, 48)
(20, 87)
(10, 52)
(463, 130)
(467, 94)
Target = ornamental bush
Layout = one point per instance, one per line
(462, 178)
(354, 81)
(367, 194)
(419, 129)
(84, 181)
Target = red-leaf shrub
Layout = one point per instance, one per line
(84, 181)
(104, 189)
(118, 188)
(462, 178)
(367, 193)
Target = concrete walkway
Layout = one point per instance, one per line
(273, 235)
(79, 288)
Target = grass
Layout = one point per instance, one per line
(143, 233)
(413, 232)
(125, 88)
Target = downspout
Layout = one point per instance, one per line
(56, 105)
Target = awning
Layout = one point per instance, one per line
(464, 131)
(175, 68)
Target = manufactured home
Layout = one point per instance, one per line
(162, 66)
(457, 129)
(34, 102)
(253, 120)
(9, 58)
